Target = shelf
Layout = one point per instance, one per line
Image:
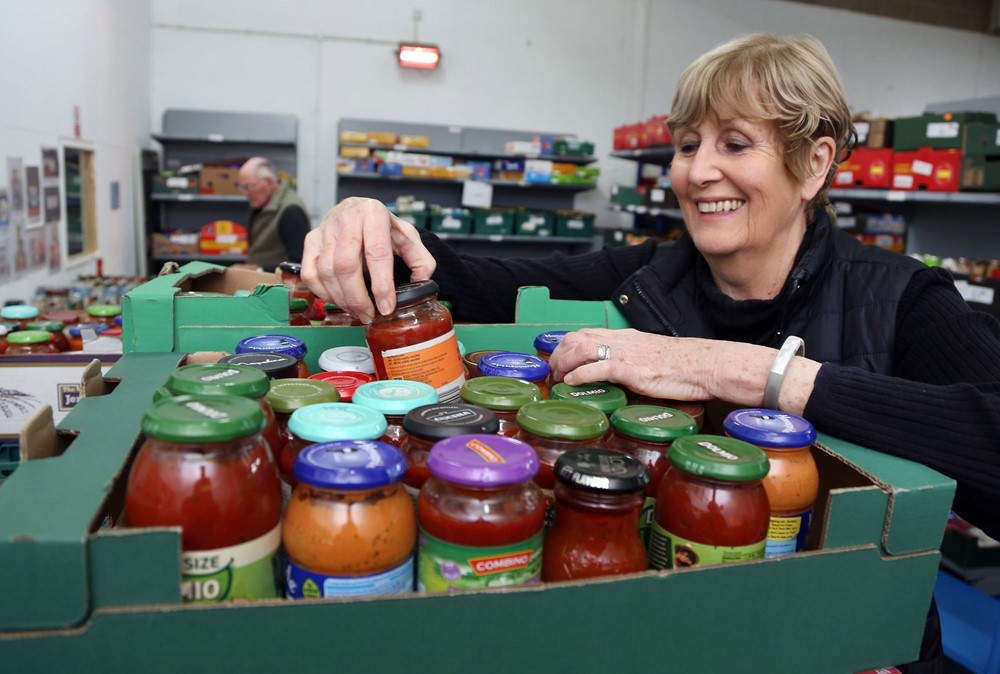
(647, 210)
(198, 197)
(568, 159)
(449, 181)
(979, 198)
(513, 238)
(221, 259)
(661, 155)
(219, 138)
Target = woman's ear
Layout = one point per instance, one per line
(820, 160)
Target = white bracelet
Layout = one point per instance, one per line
(793, 346)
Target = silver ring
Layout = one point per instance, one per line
(603, 352)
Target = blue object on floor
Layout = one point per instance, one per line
(970, 624)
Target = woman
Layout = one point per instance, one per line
(896, 359)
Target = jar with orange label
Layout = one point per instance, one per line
(504, 396)
(792, 483)
(30, 343)
(417, 341)
(285, 344)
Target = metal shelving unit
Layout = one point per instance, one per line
(495, 183)
(568, 159)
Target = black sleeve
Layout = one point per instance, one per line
(942, 406)
(292, 228)
(484, 289)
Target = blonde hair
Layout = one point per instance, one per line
(788, 80)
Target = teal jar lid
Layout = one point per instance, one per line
(652, 423)
(500, 393)
(337, 421)
(719, 458)
(566, 419)
(395, 397)
(19, 312)
(104, 310)
(202, 419)
(218, 379)
(29, 337)
(287, 395)
(599, 395)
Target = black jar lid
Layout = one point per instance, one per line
(442, 420)
(415, 291)
(291, 268)
(601, 470)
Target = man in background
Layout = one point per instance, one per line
(278, 222)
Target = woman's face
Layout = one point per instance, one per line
(734, 190)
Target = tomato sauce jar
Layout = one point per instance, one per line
(711, 506)
(287, 395)
(517, 366)
(695, 409)
(30, 343)
(417, 341)
(103, 313)
(347, 383)
(334, 315)
(204, 468)
(274, 365)
(395, 399)
(480, 514)
(284, 344)
(546, 342)
(21, 313)
(427, 424)
(350, 530)
(504, 396)
(471, 361)
(347, 359)
(291, 277)
(600, 395)
(56, 329)
(792, 483)
(599, 495)
(298, 311)
(646, 432)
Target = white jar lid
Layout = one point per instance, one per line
(347, 359)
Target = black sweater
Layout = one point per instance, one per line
(941, 408)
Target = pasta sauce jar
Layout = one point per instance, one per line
(600, 395)
(287, 395)
(284, 344)
(599, 495)
(204, 468)
(504, 396)
(298, 310)
(30, 343)
(417, 341)
(792, 483)
(274, 365)
(291, 277)
(546, 342)
(350, 529)
(347, 359)
(514, 365)
(711, 506)
(394, 399)
(480, 514)
(56, 329)
(346, 382)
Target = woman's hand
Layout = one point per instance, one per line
(358, 236)
(680, 368)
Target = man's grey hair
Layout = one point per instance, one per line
(266, 169)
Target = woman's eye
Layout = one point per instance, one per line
(736, 146)
(687, 147)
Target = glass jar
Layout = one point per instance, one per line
(103, 313)
(347, 383)
(67, 318)
(427, 424)
(480, 514)
(646, 432)
(471, 361)
(394, 399)
(291, 277)
(325, 422)
(56, 329)
(205, 469)
(30, 343)
(517, 366)
(283, 344)
(553, 427)
(228, 379)
(600, 395)
(546, 342)
(287, 395)
(504, 396)
(274, 365)
(347, 359)
(349, 530)
(792, 483)
(21, 313)
(334, 315)
(417, 342)
(298, 310)
(711, 506)
(599, 495)
(690, 407)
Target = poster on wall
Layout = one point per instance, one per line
(4, 236)
(54, 245)
(50, 164)
(16, 245)
(50, 201)
(4, 213)
(37, 248)
(33, 196)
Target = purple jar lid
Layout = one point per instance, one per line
(548, 341)
(512, 364)
(290, 346)
(769, 428)
(481, 460)
(350, 464)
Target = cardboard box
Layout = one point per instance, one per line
(874, 133)
(220, 180)
(534, 223)
(980, 173)
(168, 183)
(111, 596)
(981, 140)
(493, 221)
(353, 136)
(935, 131)
(865, 168)
(931, 170)
(451, 222)
(223, 237)
(574, 223)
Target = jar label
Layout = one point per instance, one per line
(435, 362)
(787, 533)
(302, 583)
(244, 571)
(446, 567)
(667, 551)
(286, 496)
(646, 519)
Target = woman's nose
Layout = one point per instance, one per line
(703, 166)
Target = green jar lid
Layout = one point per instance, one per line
(161, 393)
(653, 423)
(600, 395)
(719, 458)
(500, 393)
(394, 396)
(48, 326)
(201, 418)
(337, 421)
(19, 312)
(218, 378)
(288, 395)
(29, 337)
(104, 310)
(298, 303)
(565, 419)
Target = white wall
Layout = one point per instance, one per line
(58, 54)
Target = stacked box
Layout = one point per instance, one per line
(865, 168)
(874, 133)
(626, 195)
(219, 180)
(574, 223)
(534, 223)
(935, 131)
(655, 132)
(451, 221)
(572, 147)
(981, 157)
(168, 183)
(415, 218)
(223, 237)
(931, 170)
(493, 221)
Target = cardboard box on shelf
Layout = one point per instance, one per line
(981, 140)
(874, 133)
(865, 168)
(220, 180)
(223, 237)
(168, 183)
(931, 170)
(945, 131)
(980, 173)
(353, 136)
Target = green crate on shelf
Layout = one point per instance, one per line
(574, 223)
(10, 457)
(535, 223)
(627, 196)
(572, 147)
(415, 218)
(493, 221)
(451, 222)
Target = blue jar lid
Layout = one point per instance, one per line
(396, 396)
(482, 460)
(548, 341)
(74, 330)
(290, 346)
(769, 428)
(324, 422)
(19, 312)
(350, 464)
(118, 319)
(512, 364)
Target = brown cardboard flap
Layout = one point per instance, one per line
(38, 435)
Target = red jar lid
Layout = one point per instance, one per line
(65, 317)
(345, 382)
(115, 331)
